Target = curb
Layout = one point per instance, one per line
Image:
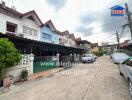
(4, 90)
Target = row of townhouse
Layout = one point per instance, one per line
(29, 25)
(38, 41)
(51, 35)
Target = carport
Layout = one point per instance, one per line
(42, 51)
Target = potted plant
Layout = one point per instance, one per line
(9, 56)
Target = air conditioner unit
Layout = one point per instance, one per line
(21, 35)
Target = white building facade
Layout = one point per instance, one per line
(24, 25)
(66, 38)
(72, 40)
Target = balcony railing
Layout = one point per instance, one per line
(16, 34)
(11, 33)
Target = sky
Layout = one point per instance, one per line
(89, 19)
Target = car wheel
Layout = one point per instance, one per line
(130, 88)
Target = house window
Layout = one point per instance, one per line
(46, 36)
(35, 32)
(11, 27)
(29, 31)
(25, 29)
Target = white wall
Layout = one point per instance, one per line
(72, 42)
(68, 41)
(20, 22)
(25, 63)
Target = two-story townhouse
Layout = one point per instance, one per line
(72, 40)
(60, 35)
(49, 33)
(84, 44)
(66, 38)
(25, 25)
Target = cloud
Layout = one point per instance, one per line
(87, 19)
(85, 31)
(88, 24)
(111, 24)
(57, 4)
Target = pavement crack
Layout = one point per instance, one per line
(87, 90)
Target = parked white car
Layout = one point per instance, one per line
(118, 58)
(126, 71)
(88, 58)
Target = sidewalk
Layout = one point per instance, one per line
(31, 78)
(44, 73)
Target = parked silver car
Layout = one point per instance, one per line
(118, 58)
(126, 71)
(87, 58)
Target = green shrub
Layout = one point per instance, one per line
(9, 55)
(99, 54)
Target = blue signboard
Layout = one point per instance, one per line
(117, 11)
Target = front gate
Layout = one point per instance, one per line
(44, 63)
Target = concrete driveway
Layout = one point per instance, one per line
(98, 81)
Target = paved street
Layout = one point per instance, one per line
(98, 81)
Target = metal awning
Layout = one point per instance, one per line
(36, 47)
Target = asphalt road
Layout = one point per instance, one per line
(98, 81)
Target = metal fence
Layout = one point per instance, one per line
(44, 63)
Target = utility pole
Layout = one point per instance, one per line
(129, 18)
(118, 41)
(117, 37)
